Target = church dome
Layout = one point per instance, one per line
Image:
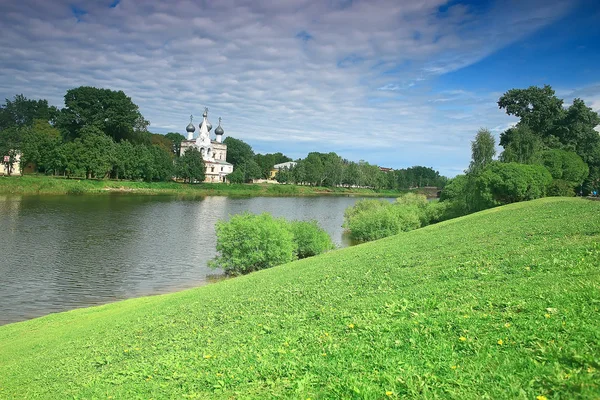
(219, 130)
(190, 127)
(209, 126)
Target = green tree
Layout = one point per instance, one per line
(10, 144)
(238, 151)
(38, 145)
(521, 145)
(97, 153)
(537, 107)
(565, 166)
(190, 166)
(176, 139)
(267, 161)
(483, 149)
(111, 112)
(504, 183)
(21, 112)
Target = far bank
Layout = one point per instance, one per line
(39, 184)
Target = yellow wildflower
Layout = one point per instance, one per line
(540, 397)
(207, 356)
(324, 354)
(507, 325)
(351, 326)
(547, 315)
(389, 393)
(500, 342)
(454, 367)
(462, 338)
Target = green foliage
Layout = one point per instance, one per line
(22, 112)
(565, 165)
(497, 305)
(111, 112)
(245, 172)
(310, 239)
(521, 145)
(559, 187)
(238, 151)
(267, 161)
(483, 150)
(248, 243)
(176, 139)
(504, 183)
(190, 166)
(375, 219)
(537, 108)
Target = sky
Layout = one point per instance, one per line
(395, 83)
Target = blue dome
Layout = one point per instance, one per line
(190, 127)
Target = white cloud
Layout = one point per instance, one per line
(290, 76)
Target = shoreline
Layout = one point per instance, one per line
(49, 185)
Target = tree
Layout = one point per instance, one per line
(538, 108)
(520, 145)
(483, 149)
(267, 161)
(111, 112)
(504, 183)
(190, 166)
(566, 166)
(21, 112)
(10, 144)
(38, 144)
(176, 139)
(245, 172)
(238, 151)
(97, 153)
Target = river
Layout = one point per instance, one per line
(58, 253)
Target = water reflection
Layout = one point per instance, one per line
(64, 252)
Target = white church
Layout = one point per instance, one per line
(214, 152)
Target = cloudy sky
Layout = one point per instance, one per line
(396, 83)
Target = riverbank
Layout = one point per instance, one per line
(497, 304)
(40, 184)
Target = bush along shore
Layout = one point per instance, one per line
(498, 304)
(39, 184)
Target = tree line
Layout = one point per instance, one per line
(552, 151)
(100, 134)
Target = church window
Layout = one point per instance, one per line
(212, 169)
(221, 169)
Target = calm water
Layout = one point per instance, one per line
(63, 252)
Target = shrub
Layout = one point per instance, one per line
(559, 187)
(248, 243)
(504, 183)
(375, 219)
(310, 239)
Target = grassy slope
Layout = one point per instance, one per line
(39, 184)
(499, 304)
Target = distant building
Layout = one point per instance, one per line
(277, 167)
(384, 169)
(214, 152)
(15, 168)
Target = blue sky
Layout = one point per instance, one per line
(392, 82)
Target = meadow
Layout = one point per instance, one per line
(501, 304)
(40, 184)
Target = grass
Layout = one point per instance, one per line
(40, 184)
(499, 304)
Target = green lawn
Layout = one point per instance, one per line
(40, 184)
(504, 303)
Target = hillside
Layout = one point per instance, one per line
(499, 304)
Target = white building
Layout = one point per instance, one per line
(15, 168)
(214, 152)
